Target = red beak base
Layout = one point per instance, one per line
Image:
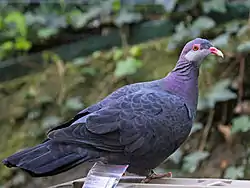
(217, 52)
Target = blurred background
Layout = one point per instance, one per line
(58, 57)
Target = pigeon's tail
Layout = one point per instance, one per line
(50, 158)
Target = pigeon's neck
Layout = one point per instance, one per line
(183, 81)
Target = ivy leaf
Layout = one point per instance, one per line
(116, 5)
(196, 127)
(234, 172)
(220, 92)
(50, 121)
(192, 160)
(232, 26)
(89, 71)
(127, 67)
(214, 5)
(8, 45)
(18, 179)
(118, 53)
(22, 44)
(47, 32)
(32, 19)
(202, 103)
(45, 99)
(244, 47)
(79, 19)
(74, 103)
(187, 5)
(19, 20)
(79, 61)
(53, 20)
(126, 17)
(135, 51)
(181, 33)
(243, 30)
(241, 124)
(203, 23)
(34, 114)
(176, 156)
(168, 5)
(221, 40)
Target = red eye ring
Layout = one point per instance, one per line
(196, 47)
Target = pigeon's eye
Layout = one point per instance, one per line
(196, 47)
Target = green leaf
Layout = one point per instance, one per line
(241, 124)
(220, 93)
(118, 53)
(126, 17)
(79, 19)
(31, 92)
(1, 23)
(7, 46)
(214, 5)
(232, 26)
(18, 179)
(79, 61)
(54, 20)
(96, 54)
(22, 44)
(19, 20)
(233, 172)
(221, 40)
(243, 30)
(135, 51)
(176, 156)
(116, 5)
(203, 23)
(192, 160)
(74, 103)
(127, 67)
(47, 32)
(34, 114)
(202, 103)
(45, 99)
(50, 121)
(32, 19)
(89, 70)
(244, 47)
(181, 34)
(184, 6)
(196, 127)
(168, 5)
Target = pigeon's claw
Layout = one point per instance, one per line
(153, 175)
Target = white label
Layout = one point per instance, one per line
(99, 182)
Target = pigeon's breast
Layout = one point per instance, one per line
(166, 141)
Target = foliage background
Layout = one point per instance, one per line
(57, 58)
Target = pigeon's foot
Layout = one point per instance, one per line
(153, 175)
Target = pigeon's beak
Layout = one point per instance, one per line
(215, 51)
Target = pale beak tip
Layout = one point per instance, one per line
(217, 52)
(220, 54)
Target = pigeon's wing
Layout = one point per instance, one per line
(106, 101)
(130, 124)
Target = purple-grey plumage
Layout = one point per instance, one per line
(139, 124)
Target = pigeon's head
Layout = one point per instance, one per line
(196, 50)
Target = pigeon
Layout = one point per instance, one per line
(139, 124)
